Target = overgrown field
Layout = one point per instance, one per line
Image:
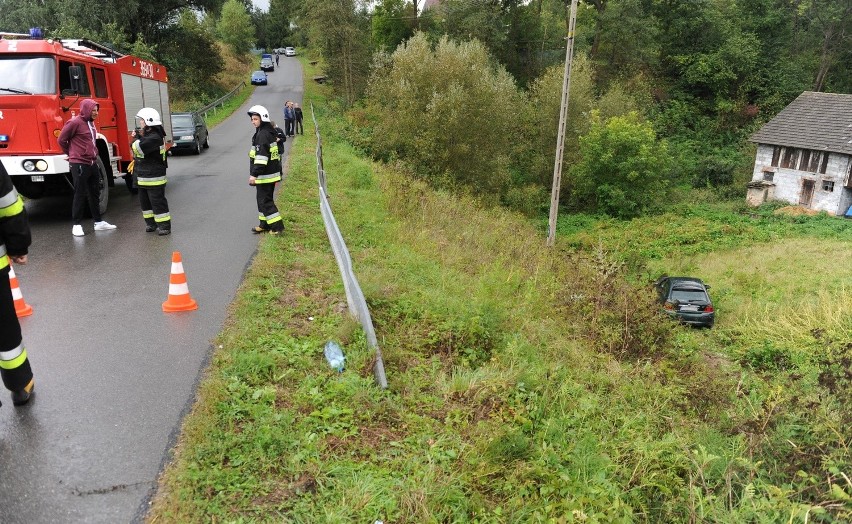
(526, 384)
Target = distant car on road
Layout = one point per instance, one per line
(258, 78)
(189, 132)
(266, 64)
(289, 51)
(686, 299)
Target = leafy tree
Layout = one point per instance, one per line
(541, 114)
(393, 22)
(192, 57)
(450, 112)
(340, 29)
(277, 31)
(624, 168)
(235, 27)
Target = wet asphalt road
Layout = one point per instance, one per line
(114, 374)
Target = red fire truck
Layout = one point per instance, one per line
(43, 81)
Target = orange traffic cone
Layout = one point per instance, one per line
(22, 309)
(179, 299)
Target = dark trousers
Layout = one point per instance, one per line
(10, 337)
(87, 187)
(155, 207)
(299, 128)
(288, 126)
(267, 210)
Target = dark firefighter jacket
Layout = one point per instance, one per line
(15, 236)
(264, 157)
(149, 157)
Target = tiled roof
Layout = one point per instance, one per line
(820, 121)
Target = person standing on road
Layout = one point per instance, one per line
(297, 112)
(15, 240)
(277, 56)
(289, 117)
(265, 170)
(78, 140)
(281, 137)
(149, 168)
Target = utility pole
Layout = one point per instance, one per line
(560, 136)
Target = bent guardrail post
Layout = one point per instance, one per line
(354, 296)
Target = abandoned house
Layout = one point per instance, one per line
(804, 155)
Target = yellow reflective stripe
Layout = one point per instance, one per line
(13, 208)
(147, 214)
(162, 217)
(273, 220)
(137, 152)
(163, 151)
(151, 181)
(4, 261)
(14, 358)
(252, 153)
(261, 159)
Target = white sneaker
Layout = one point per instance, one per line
(103, 226)
(77, 231)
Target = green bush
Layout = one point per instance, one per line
(449, 111)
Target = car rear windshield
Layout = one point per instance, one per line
(181, 121)
(688, 295)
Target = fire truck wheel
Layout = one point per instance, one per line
(104, 183)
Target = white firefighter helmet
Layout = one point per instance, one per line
(150, 116)
(261, 112)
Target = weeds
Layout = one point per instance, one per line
(526, 384)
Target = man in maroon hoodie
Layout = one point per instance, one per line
(78, 141)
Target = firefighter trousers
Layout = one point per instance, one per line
(155, 207)
(14, 364)
(267, 210)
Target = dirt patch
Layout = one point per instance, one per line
(795, 211)
(301, 300)
(304, 484)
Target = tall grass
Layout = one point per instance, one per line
(526, 384)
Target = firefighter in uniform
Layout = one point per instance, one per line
(14, 242)
(265, 170)
(149, 169)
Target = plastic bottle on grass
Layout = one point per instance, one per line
(334, 356)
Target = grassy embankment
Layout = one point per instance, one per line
(526, 385)
(236, 69)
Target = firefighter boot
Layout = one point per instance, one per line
(21, 397)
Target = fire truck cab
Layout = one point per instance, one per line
(42, 83)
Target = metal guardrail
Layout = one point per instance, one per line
(354, 296)
(220, 101)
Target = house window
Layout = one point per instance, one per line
(828, 186)
(776, 155)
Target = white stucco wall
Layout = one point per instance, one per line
(788, 182)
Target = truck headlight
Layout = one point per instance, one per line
(29, 165)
